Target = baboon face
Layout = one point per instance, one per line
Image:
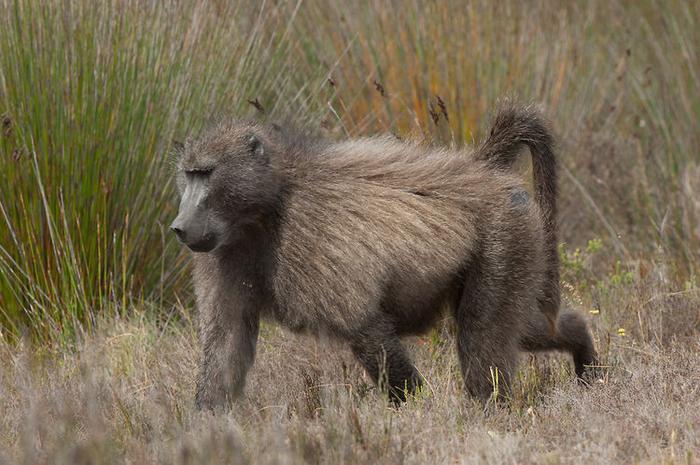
(226, 184)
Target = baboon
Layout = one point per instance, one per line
(371, 239)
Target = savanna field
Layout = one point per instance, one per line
(98, 334)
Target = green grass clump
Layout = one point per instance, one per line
(92, 95)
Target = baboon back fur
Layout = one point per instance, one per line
(368, 240)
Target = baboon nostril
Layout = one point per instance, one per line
(180, 233)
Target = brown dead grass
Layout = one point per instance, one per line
(125, 395)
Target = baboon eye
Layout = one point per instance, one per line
(199, 172)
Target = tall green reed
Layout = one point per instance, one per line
(92, 94)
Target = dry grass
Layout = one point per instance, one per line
(125, 395)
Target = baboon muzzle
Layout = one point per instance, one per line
(192, 222)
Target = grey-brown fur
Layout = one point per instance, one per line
(512, 129)
(366, 240)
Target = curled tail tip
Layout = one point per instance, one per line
(527, 120)
(510, 107)
(514, 125)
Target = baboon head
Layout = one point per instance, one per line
(226, 183)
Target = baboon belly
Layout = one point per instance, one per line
(416, 307)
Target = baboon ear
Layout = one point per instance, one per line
(177, 150)
(256, 146)
(178, 146)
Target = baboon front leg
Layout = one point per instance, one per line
(228, 340)
(487, 342)
(387, 362)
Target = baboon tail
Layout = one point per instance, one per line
(515, 127)
(571, 335)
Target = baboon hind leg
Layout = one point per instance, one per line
(487, 340)
(572, 335)
(386, 360)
